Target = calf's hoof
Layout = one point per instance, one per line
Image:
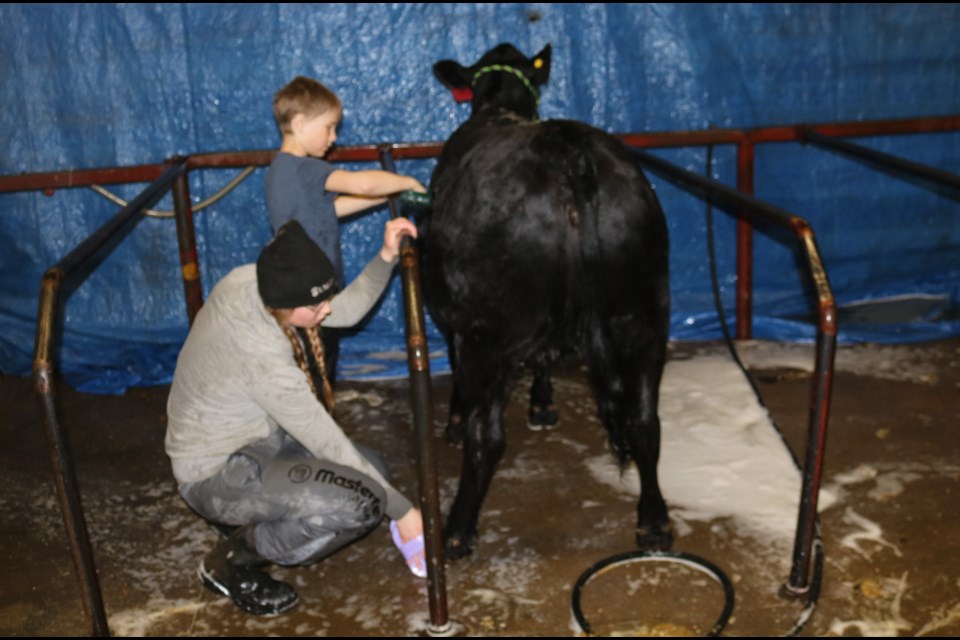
(455, 430)
(655, 538)
(541, 417)
(457, 547)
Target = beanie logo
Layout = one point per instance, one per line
(318, 291)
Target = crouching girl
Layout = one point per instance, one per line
(253, 446)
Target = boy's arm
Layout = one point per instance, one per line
(349, 205)
(371, 184)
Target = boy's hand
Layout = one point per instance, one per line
(417, 187)
(392, 235)
(415, 199)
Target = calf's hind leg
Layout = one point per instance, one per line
(481, 388)
(543, 413)
(455, 422)
(626, 376)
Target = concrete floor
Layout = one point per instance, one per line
(891, 534)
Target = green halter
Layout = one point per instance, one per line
(514, 71)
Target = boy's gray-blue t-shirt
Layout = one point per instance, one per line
(296, 190)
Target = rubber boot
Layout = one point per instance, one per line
(223, 530)
(234, 569)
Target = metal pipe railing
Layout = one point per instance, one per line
(747, 206)
(903, 126)
(51, 180)
(744, 295)
(745, 140)
(899, 167)
(68, 270)
(418, 361)
(187, 241)
(71, 270)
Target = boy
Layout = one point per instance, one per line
(302, 186)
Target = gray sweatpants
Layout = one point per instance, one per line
(302, 508)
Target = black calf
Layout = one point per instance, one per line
(544, 239)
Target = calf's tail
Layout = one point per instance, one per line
(608, 344)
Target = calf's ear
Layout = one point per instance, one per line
(456, 78)
(451, 74)
(541, 67)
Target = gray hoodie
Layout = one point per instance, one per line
(237, 381)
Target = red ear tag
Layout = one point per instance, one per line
(462, 94)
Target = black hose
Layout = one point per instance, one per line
(813, 593)
(655, 556)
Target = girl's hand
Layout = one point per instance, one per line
(392, 235)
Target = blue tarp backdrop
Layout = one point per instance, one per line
(97, 85)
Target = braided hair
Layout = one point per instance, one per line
(282, 317)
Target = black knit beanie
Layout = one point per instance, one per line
(292, 271)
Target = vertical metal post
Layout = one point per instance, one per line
(75, 267)
(745, 164)
(799, 581)
(418, 361)
(187, 240)
(821, 386)
(68, 491)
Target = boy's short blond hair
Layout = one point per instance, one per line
(302, 95)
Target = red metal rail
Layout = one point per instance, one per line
(745, 140)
